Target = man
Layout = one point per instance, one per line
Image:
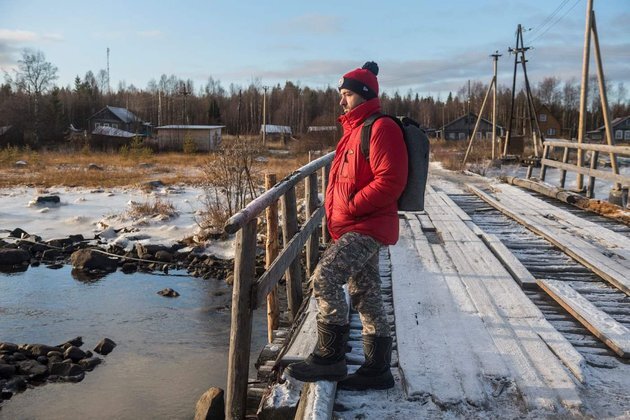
(361, 212)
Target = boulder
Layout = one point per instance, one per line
(76, 341)
(21, 164)
(13, 256)
(89, 259)
(16, 384)
(105, 346)
(65, 368)
(163, 256)
(46, 200)
(52, 255)
(74, 353)
(8, 347)
(168, 292)
(32, 369)
(18, 233)
(6, 371)
(37, 350)
(94, 167)
(211, 405)
(89, 363)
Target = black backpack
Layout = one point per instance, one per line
(417, 142)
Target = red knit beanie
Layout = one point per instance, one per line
(362, 81)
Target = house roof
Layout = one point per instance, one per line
(189, 127)
(276, 129)
(613, 123)
(5, 129)
(322, 128)
(123, 114)
(112, 132)
(473, 115)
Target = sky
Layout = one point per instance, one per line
(427, 47)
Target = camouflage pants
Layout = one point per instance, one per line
(352, 259)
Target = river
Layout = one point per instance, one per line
(170, 350)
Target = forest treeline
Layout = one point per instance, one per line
(41, 112)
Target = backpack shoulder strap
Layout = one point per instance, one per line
(366, 133)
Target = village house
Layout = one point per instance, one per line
(620, 129)
(204, 137)
(549, 125)
(462, 128)
(118, 118)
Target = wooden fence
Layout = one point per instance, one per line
(592, 172)
(249, 293)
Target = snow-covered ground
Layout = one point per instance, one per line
(104, 212)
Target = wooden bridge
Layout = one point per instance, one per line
(504, 303)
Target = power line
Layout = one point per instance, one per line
(551, 16)
(554, 23)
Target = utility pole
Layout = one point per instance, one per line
(583, 91)
(109, 91)
(519, 57)
(495, 58)
(591, 29)
(493, 87)
(264, 124)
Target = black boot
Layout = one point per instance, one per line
(328, 360)
(374, 373)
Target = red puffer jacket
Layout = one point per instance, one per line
(362, 195)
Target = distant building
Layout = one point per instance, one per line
(320, 128)
(549, 125)
(276, 130)
(118, 118)
(620, 129)
(205, 137)
(462, 127)
(9, 135)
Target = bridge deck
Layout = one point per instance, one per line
(468, 340)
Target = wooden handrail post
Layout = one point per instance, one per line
(563, 172)
(241, 325)
(294, 273)
(590, 191)
(271, 252)
(312, 200)
(543, 168)
(325, 233)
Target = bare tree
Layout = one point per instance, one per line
(35, 77)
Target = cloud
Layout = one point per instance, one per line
(11, 35)
(150, 34)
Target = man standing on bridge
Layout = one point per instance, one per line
(362, 215)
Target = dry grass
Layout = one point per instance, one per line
(152, 208)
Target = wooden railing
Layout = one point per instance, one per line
(592, 172)
(249, 293)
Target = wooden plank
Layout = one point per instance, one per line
(622, 179)
(258, 205)
(548, 213)
(294, 273)
(603, 326)
(305, 338)
(456, 209)
(289, 254)
(518, 271)
(423, 309)
(312, 244)
(580, 250)
(507, 313)
(317, 401)
(620, 150)
(241, 324)
(271, 252)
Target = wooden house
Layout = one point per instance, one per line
(205, 137)
(462, 128)
(620, 129)
(549, 125)
(118, 118)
